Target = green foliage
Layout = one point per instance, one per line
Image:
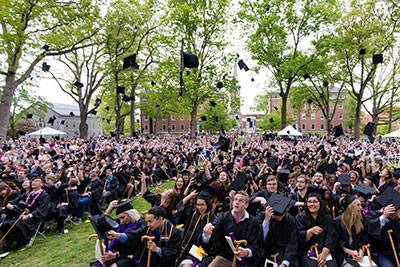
(261, 103)
(265, 123)
(221, 112)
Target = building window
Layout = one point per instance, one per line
(322, 116)
(312, 106)
(340, 105)
(303, 116)
(146, 127)
(146, 118)
(173, 127)
(182, 118)
(313, 116)
(182, 127)
(321, 126)
(164, 127)
(172, 117)
(340, 116)
(275, 105)
(304, 106)
(331, 105)
(303, 126)
(312, 126)
(163, 119)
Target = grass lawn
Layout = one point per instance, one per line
(72, 249)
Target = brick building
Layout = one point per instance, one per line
(311, 117)
(172, 123)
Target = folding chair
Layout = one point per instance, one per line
(37, 232)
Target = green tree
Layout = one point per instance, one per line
(369, 25)
(261, 103)
(351, 116)
(217, 118)
(26, 26)
(277, 31)
(202, 25)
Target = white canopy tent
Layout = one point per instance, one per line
(47, 131)
(395, 134)
(290, 131)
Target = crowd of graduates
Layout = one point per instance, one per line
(252, 200)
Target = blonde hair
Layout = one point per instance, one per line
(352, 217)
(133, 214)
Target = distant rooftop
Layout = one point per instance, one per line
(65, 109)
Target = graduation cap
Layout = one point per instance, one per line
(223, 130)
(71, 114)
(45, 67)
(220, 85)
(51, 121)
(237, 54)
(63, 122)
(347, 200)
(315, 191)
(215, 119)
(389, 196)
(130, 62)
(325, 84)
(102, 224)
(78, 84)
(363, 51)
(280, 94)
(363, 190)
(276, 108)
(349, 160)
(344, 180)
(294, 106)
(309, 101)
(123, 206)
(98, 101)
(252, 79)
(188, 60)
(29, 116)
(243, 65)
(248, 119)
(236, 117)
(337, 131)
(279, 203)
(239, 183)
(306, 76)
(160, 173)
(126, 98)
(120, 90)
(207, 191)
(108, 121)
(223, 143)
(368, 131)
(45, 47)
(321, 95)
(271, 120)
(185, 173)
(331, 168)
(376, 59)
(153, 83)
(107, 108)
(212, 103)
(203, 118)
(157, 105)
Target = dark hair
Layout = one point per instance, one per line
(208, 202)
(157, 212)
(324, 154)
(322, 212)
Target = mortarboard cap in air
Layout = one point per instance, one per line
(51, 121)
(279, 203)
(78, 84)
(363, 51)
(29, 116)
(389, 196)
(243, 65)
(45, 67)
(63, 122)
(309, 101)
(203, 118)
(239, 183)
(325, 84)
(130, 62)
(376, 59)
(215, 118)
(306, 76)
(223, 143)
(107, 108)
(252, 79)
(212, 103)
(46, 47)
(220, 85)
(120, 90)
(108, 121)
(153, 83)
(71, 114)
(102, 224)
(271, 120)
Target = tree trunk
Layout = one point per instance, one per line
(5, 104)
(83, 126)
(284, 110)
(391, 109)
(375, 115)
(193, 120)
(133, 87)
(357, 121)
(151, 125)
(328, 120)
(119, 125)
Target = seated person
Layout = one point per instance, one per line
(110, 187)
(36, 203)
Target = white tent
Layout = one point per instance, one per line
(395, 134)
(290, 131)
(47, 131)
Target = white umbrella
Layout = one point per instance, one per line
(290, 131)
(47, 131)
(394, 134)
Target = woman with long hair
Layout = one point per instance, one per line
(352, 234)
(7, 194)
(316, 231)
(180, 187)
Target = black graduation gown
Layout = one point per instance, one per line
(343, 240)
(248, 229)
(327, 239)
(112, 186)
(380, 242)
(297, 198)
(194, 225)
(24, 230)
(169, 247)
(73, 198)
(96, 191)
(281, 238)
(123, 179)
(155, 200)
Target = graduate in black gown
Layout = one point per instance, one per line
(122, 251)
(314, 226)
(165, 248)
(279, 231)
(379, 222)
(243, 226)
(36, 202)
(195, 220)
(352, 233)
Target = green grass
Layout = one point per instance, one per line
(72, 249)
